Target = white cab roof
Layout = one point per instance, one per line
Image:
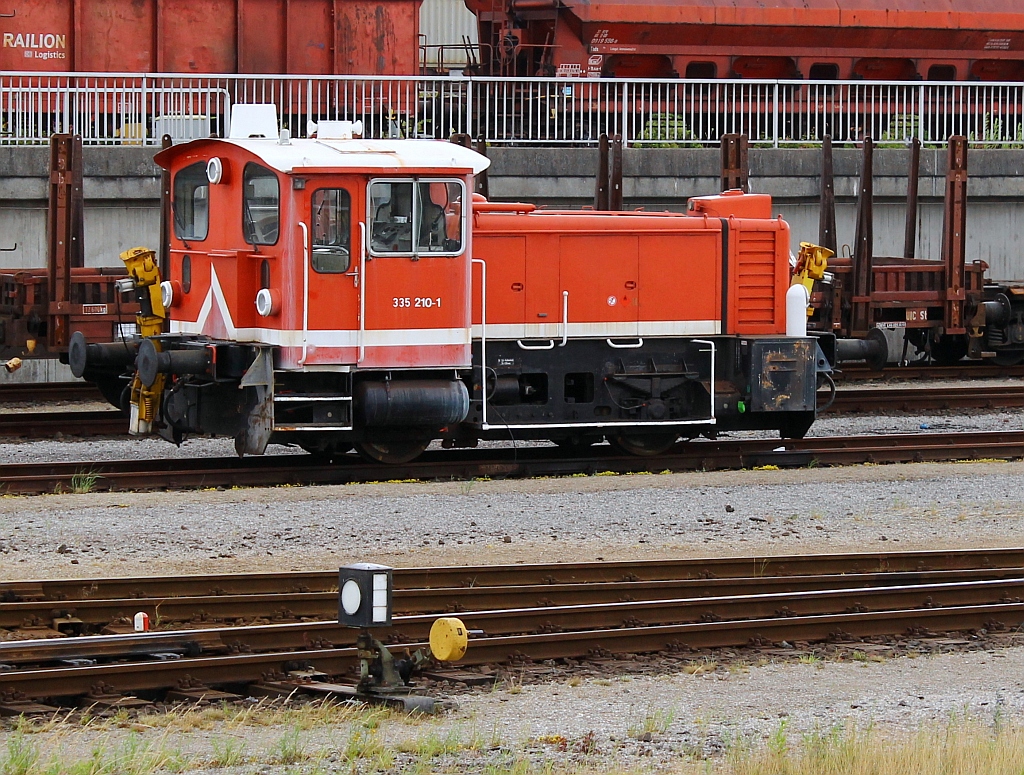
(386, 154)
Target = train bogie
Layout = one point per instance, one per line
(1001, 319)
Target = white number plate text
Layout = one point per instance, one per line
(422, 302)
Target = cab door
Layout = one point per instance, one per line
(416, 293)
(331, 279)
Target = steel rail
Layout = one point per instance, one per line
(679, 638)
(77, 615)
(72, 423)
(514, 621)
(684, 637)
(640, 613)
(926, 399)
(48, 392)
(962, 371)
(168, 473)
(441, 578)
(185, 643)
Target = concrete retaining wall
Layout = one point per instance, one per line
(122, 203)
(122, 194)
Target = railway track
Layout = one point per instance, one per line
(849, 400)
(945, 592)
(470, 576)
(36, 619)
(924, 399)
(166, 473)
(964, 371)
(38, 425)
(48, 392)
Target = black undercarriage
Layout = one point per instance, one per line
(590, 388)
(640, 394)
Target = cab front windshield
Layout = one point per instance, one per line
(413, 217)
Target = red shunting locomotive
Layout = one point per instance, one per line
(337, 292)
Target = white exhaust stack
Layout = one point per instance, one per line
(797, 299)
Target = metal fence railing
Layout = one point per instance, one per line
(120, 109)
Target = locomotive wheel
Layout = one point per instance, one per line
(576, 445)
(326, 449)
(392, 451)
(949, 350)
(644, 444)
(1005, 359)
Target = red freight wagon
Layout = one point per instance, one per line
(816, 39)
(325, 37)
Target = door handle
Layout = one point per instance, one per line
(354, 274)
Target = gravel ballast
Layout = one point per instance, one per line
(861, 508)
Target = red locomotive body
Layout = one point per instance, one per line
(339, 292)
(629, 275)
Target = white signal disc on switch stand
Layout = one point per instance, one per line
(351, 597)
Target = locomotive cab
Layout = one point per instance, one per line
(316, 291)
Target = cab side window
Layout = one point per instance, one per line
(261, 205)
(332, 229)
(440, 211)
(191, 203)
(391, 225)
(416, 217)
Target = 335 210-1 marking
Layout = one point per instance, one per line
(422, 302)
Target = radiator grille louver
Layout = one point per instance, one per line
(755, 282)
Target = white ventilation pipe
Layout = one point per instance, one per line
(797, 299)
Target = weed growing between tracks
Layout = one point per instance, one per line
(84, 482)
(962, 746)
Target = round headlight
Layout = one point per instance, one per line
(351, 597)
(166, 294)
(267, 302)
(214, 170)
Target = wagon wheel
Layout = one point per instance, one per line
(392, 450)
(644, 444)
(949, 349)
(112, 388)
